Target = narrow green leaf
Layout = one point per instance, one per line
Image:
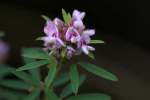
(33, 95)
(74, 77)
(96, 41)
(36, 53)
(50, 95)
(32, 65)
(34, 72)
(99, 71)
(91, 55)
(25, 77)
(45, 17)
(5, 70)
(95, 96)
(68, 88)
(16, 84)
(50, 77)
(61, 80)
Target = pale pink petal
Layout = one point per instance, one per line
(85, 50)
(90, 48)
(89, 32)
(77, 15)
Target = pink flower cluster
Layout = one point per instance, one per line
(71, 37)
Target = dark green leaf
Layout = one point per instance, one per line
(61, 80)
(4, 70)
(50, 95)
(74, 77)
(36, 53)
(50, 77)
(68, 89)
(33, 95)
(16, 84)
(95, 96)
(99, 71)
(34, 72)
(25, 77)
(32, 65)
(96, 41)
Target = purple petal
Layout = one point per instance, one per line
(90, 48)
(77, 15)
(60, 42)
(85, 49)
(89, 32)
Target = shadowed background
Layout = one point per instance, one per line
(123, 25)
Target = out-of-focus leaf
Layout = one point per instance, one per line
(50, 95)
(5, 69)
(66, 16)
(96, 41)
(91, 55)
(2, 34)
(16, 84)
(51, 75)
(36, 53)
(34, 72)
(33, 95)
(96, 96)
(45, 17)
(33, 65)
(25, 77)
(68, 88)
(10, 95)
(61, 80)
(74, 77)
(99, 71)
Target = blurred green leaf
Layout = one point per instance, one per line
(98, 71)
(33, 65)
(5, 69)
(61, 80)
(2, 34)
(66, 16)
(74, 77)
(96, 41)
(36, 53)
(95, 96)
(45, 17)
(26, 77)
(50, 95)
(91, 55)
(33, 95)
(34, 72)
(68, 88)
(16, 84)
(51, 75)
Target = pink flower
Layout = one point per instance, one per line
(72, 35)
(85, 40)
(70, 51)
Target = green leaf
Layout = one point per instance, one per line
(99, 71)
(2, 34)
(66, 17)
(5, 70)
(91, 55)
(10, 94)
(36, 53)
(45, 17)
(61, 80)
(25, 77)
(68, 88)
(32, 65)
(74, 77)
(33, 95)
(16, 84)
(34, 72)
(50, 95)
(95, 96)
(96, 41)
(51, 76)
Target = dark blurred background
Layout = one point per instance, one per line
(122, 24)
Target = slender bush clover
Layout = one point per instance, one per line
(63, 41)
